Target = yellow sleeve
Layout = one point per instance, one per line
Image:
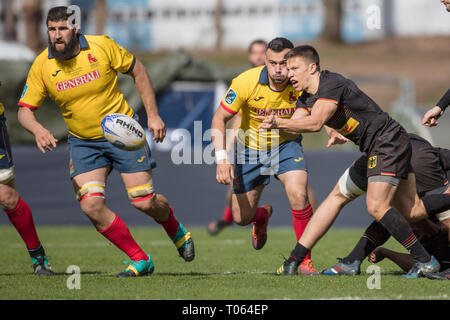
(236, 96)
(34, 92)
(121, 60)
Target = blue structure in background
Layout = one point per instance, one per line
(124, 25)
(303, 27)
(180, 106)
(131, 32)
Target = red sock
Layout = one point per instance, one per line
(22, 220)
(300, 219)
(260, 216)
(171, 225)
(227, 214)
(119, 234)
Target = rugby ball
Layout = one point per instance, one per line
(123, 131)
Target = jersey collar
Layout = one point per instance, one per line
(83, 44)
(264, 76)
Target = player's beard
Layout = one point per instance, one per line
(68, 51)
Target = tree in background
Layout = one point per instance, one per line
(333, 18)
(32, 15)
(10, 20)
(101, 12)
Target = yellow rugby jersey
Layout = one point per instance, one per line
(250, 93)
(2, 108)
(84, 87)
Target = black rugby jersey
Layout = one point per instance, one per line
(357, 117)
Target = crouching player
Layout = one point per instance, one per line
(80, 74)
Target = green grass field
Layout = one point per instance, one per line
(226, 267)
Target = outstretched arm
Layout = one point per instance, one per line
(44, 139)
(322, 111)
(147, 93)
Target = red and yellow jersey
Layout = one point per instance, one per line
(85, 87)
(250, 93)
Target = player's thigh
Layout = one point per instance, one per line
(136, 179)
(295, 184)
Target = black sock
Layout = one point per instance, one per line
(39, 251)
(436, 203)
(399, 228)
(298, 254)
(374, 236)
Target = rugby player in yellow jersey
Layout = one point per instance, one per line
(80, 74)
(256, 58)
(259, 91)
(15, 207)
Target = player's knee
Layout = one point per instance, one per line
(8, 197)
(376, 208)
(298, 199)
(92, 207)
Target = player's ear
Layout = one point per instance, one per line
(312, 68)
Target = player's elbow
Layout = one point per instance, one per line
(316, 126)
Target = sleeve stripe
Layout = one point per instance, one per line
(22, 104)
(329, 100)
(132, 65)
(227, 109)
(304, 108)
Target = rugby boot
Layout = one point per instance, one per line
(184, 244)
(421, 269)
(342, 268)
(215, 227)
(287, 269)
(41, 266)
(307, 268)
(444, 275)
(40, 262)
(259, 232)
(138, 268)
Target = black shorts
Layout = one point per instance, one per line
(390, 155)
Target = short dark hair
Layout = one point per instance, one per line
(257, 41)
(307, 52)
(279, 44)
(56, 14)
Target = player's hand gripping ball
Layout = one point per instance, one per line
(123, 131)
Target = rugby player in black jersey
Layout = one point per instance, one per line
(338, 103)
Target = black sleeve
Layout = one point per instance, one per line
(445, 101)
(331, 88)
(301, 103)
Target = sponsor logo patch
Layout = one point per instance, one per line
(78, 81)
(230, 97)
(24, 91)
(349, 127)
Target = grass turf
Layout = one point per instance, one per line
(226, 267)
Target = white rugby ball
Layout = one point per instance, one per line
(123, 131)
